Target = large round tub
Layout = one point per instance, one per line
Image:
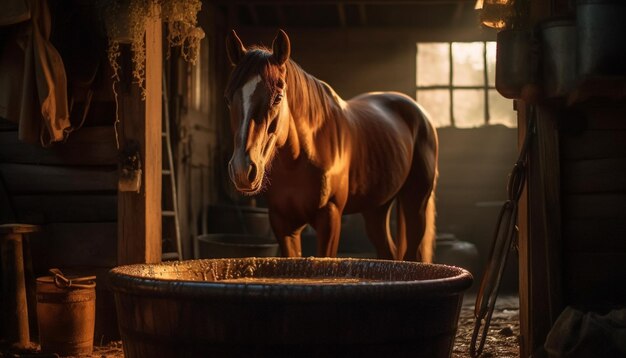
(291, 307)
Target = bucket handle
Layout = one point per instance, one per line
(63, 282)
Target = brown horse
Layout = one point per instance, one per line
(318, 156)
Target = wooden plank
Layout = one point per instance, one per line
(523, 223)
(46, 208)
(87, 146)
(595, 206)
(608, 116)
(139, 214)
(594, 235)
(75, 244)
(375, 34)
(26, 178)
(594, 176)
(547, 244)
(594, 144)
(324, 2)
(595, 279)
(599, 89)
(540, 239)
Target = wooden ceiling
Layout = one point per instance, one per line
(350, 13)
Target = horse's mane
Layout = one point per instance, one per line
(309, 98)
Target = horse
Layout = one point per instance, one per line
(317, 157)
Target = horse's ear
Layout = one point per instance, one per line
(281, 48)
(234, 48)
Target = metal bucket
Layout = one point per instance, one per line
(237, 245)
(234, 219)
(512, 62)
(601, 42)
(558, 48)
(66, 313)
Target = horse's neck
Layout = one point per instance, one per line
(313, 105)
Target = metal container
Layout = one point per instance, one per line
(512, 62)
(66, 313)
(236, 220)
(452, 251)
(601, 25)
(291, 307)
(558, 49)
(236, 245)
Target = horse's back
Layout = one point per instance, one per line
(386, 126)
(405, 107)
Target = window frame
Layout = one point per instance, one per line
(486, 87)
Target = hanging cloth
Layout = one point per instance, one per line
(33, 84)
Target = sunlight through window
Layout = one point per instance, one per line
(455, 83)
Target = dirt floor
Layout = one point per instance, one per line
(502, 340)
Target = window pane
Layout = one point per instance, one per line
(501, 110)
(437, 104)
(469, 108)
(491, 63)
(468, 62)
(432, 64)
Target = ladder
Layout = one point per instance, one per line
(171, 240)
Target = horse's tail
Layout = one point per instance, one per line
(400, 238)
(416, 199)
(418, 219)
(427, 246)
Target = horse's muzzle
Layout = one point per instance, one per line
(244, 175)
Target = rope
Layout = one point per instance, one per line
(61, 281)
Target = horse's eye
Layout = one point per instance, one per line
(277, 99)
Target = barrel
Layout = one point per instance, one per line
(66, 312)
(288, 307)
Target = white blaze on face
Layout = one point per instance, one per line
(246, 94)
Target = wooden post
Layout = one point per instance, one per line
(540, 235)
(14, 313)
(522, 220)
(139, 214)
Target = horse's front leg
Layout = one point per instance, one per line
(327, 227)
(288, 234)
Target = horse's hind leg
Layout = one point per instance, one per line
(377, 227)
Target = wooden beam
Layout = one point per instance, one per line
(87, 146)
(280, 15)
(362, 14)
(253, 14)
(523, 242)
(139, 214)
(369, 34)
(356, 2)
(341, 13)
(540, 240)
(458, 14)
(29, 178)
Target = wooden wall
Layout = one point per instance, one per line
(71, 191)
(593, 189)
(70, 188)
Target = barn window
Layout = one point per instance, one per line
(455, 82)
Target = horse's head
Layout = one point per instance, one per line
(257, 100)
